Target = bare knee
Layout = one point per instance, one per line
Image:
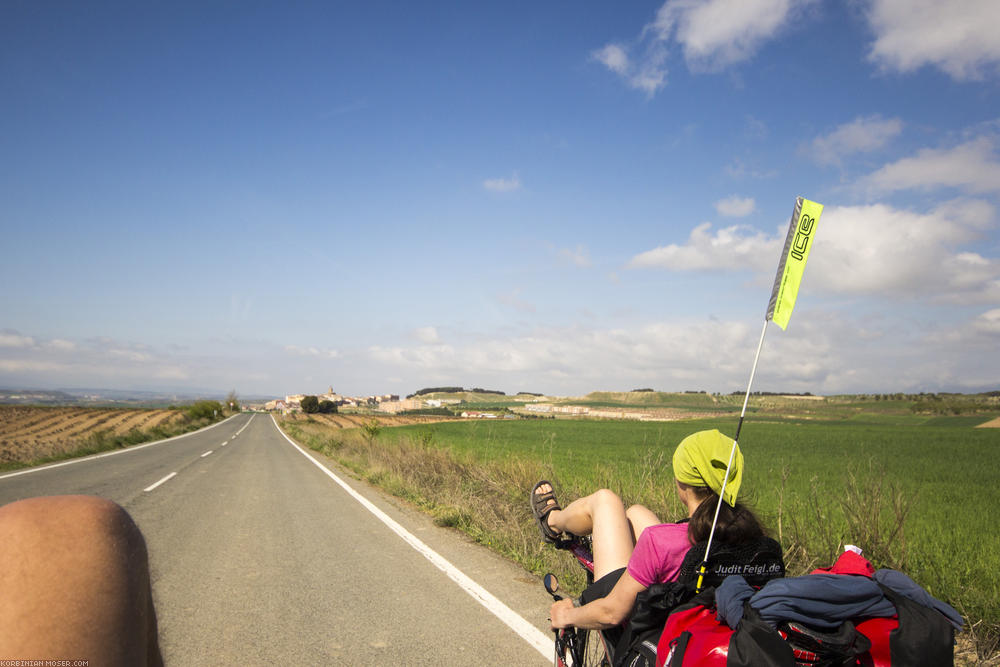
(640, 512)
(77, 527)
(640, 518)
(75, 575)
(605, 499)
(64, 511)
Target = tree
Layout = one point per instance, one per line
(233, 401)
(309, 404)
(370, 429)
(327, 407)
(208, 410)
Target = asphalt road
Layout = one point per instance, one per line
(259, 557)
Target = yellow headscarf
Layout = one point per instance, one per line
(701, 458)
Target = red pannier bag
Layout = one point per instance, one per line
(694, 632)
(693, 637)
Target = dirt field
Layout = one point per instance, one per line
(356, 421)
(30, 433)
(993, 423)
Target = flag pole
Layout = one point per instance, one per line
(798, 242)
(732, 452)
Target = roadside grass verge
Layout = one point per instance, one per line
(908, 494)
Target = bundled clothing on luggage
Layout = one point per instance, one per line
(848, 614)
(825, 600)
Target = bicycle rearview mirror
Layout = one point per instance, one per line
(551, 583)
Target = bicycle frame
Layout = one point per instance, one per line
(576, 647)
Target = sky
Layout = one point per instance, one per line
(281, 197)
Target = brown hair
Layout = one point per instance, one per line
(736, 525)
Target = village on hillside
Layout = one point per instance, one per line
(388, 403)
(533, 406)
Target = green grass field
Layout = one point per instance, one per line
(798, 472)
(908, 478)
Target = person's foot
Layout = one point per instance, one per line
(543, 504)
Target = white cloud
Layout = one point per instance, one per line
(880, 250)
(171, 373)
(10, 338)
(960, 37)
(972, 166)
(312, 351)
(614, 58)
(735, 207)
(823, 352)
(756, 128)
(578, 256)
(646, 72)
(513, 299)
(128, 355)
(712, 34)
(29, 365)
(100, 361)
(503, 184)
(426, 334)
(863, 134)
(740, 170)
(670, 352)
(730, 248)
(718, 33)
(869, 250)
(878, 352)
(988, 322)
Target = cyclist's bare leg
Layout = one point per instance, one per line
(602, 516)
(640, 518)
(75, 581)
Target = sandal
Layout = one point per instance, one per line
(541, 507)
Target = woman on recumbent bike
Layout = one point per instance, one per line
(632, 549)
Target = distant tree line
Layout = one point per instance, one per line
(770, 393)
(455, 390)
(952, 404)
(436, 390)
(433, 412)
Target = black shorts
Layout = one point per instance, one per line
(600, 589)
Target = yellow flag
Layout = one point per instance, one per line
(798, 242)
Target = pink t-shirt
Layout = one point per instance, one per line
(659, 553)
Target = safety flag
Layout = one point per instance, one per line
(798, 242)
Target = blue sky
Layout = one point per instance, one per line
(548, 197)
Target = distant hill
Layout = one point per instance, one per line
(106, 397)
(478, 396)
(648, 399)
(35, 397)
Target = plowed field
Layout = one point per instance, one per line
(30, 433)
(356, 421)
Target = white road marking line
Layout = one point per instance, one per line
(206, 453)
(540, 641)
(225, 443)
(245, 425)
(150, 488)
(133, 448)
